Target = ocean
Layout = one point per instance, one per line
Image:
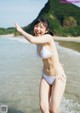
(20, 73)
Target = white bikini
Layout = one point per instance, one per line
(45, 53)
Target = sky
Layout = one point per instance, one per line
(22, 11)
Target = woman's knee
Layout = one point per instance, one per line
(44, 107)
(54, 109)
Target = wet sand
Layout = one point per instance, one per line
(69, 39)
(7, 35)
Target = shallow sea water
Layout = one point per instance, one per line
(20, 73)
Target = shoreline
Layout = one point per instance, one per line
(67, 39)
(7, 35)
(56, 38)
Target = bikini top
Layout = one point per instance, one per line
(44, 53)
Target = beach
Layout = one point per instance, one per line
(69, 39)
(56, 38)
(20, 74)
(7, 35)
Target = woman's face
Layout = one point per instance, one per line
(40, 29)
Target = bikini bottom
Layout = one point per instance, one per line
(49, 79)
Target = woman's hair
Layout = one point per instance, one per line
(45, 23)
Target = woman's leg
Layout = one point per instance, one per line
(44, 96)
(56, 94)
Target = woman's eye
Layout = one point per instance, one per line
(36, 25)
(41, 27)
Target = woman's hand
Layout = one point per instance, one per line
(61, 77)
(19, 29)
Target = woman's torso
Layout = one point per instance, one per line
(49, 56)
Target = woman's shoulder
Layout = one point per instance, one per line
(48, 35)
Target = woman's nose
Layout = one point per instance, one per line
(38, 28)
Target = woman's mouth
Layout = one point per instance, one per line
(38, 33)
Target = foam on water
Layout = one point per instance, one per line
(68, 50)
(69, 106)
(19, 39)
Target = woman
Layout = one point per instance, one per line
(53, 80)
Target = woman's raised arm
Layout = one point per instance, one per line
(33, 39)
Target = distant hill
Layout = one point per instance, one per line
(64, 19)
(5, 31)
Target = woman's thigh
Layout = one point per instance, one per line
(57, 92)
(44, 93)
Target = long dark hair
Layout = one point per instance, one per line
(45, 23)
